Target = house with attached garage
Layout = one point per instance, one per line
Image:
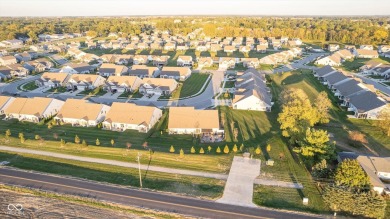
(8, 60)
(85, 81)
(205, 61)
(384, 48)
(143, 71)
(366, 54)
(33, 109)
(188, 120)
(11, 43)
(245, 49)
(18, 70)
(5, 101)
(140, 60)
(177, 73)
(78, 112)
(348, 88)
(215, 47)
(5, 73)
(124, 116)
(184, 61)
(108, 69)
(251, 92)
(23, 57)
(367, 47)
(334, 78)
(382, 70)
(158, 86)
(78, 68)
(170, 46)
(333, 47)
(50, 79)
(365, 105)
(250, 62)
(261, 48)
(229, 49)
(159, 60)
(332, 60)
(227, 62)
(122, 83)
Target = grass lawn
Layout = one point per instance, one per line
(56, 90)
(354, 65)
(95, 92)
(193, 186)
(124, 95)
(229, 84)
(29, 86)
(189, 87)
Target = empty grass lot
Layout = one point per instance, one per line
(193, 186)
(189, 87)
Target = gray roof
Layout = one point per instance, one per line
(335, 77)
(347, 155)
(81, 67)
(348, 88)
(253, 83)
(139, 72)
(324, 70)
(365, 101)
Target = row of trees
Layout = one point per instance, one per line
(297, 120)
(226, 149)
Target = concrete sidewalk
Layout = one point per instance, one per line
(239, 186)
(116, 163)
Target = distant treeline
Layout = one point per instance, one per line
(344, 30)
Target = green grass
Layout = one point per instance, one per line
(193, 186)
(56, 90)
(95, 92)
(29, 86)
(124, 95)
(189, 87)
(355, 64)
(229, 84)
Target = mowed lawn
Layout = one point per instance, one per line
(188, 185)
(193, 84)
(355, 64)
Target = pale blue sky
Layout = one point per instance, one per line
(192, 7)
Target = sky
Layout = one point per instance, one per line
(192, 7)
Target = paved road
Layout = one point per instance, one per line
(377, 85)
(116, 163)
(300, 63)
(145, 199)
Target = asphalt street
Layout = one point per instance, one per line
(141, 198)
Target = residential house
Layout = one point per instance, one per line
(382, 70)
(85, 81)
(229, 49)
(261, 48)
(5, 101)
(245, 49)
(33, 109)
(23, 57)
(108, 69)
(215, 47)
(384, 48)
(11, 43)
(50, 79)
(367, 47)
(227, 62)
(5, 73)
(160, 60)
(78, 112)
(252, 92)
(250, 62)
(143, 71)
(367, 54)
(184, 61)
(158, 86)
(77, 68)
(140, 60)
(333, 47)
(334, 78)
(178, 73)
(170, 46)
(124, 116)
(205, 61)
(182, 47)
(18, 70)
(324, 71)
(348, 88)
(122, 84)
(7, 60)
(365, 105)
(332, 60)
(187, 120)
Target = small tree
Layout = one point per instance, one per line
(209, 148)
(268, 148)
(349, 173)
(22, 139)
(85, 143)
(226, 149)
(242, 147)
(258, 150)
(8, 133)
(112, 142)
(62, 142)
(49, 126)
(77, 139)
(181, 153)
(172, 149)
(21, 135)
(37, 137)
(218, 150)
(97, 142)
(235, 149)
(201, 151)
(192, 150)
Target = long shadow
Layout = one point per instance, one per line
(294, 180)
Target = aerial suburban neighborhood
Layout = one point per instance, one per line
(195, 116)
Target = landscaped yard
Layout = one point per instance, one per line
(29, 86)
(95, 92)
(57, 90)
(229, 84)
(354, 65)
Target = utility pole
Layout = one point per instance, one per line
(139, 169)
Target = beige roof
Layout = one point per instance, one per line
(128, 80)
(164, 82)
(7, 58)
(185, 58)
(3, 100)
(373, 165)
(367, 52)
(84, 77)
(80, 109)
(118, 68)
(188, 117)
(129, 113)
(60, 77)
(29, 106)
(183, 71)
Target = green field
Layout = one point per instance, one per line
(193, 186)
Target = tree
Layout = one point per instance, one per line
(8, 133)
(172, 149)
(235, 149)
(384, 120)
(322, 104)
(321, 170)
(91, 34)
(97, 142)
(22, 139)
(226, 149)
(21, 135)
(218, 150)
(315, 142)
(85, 143)
(112, 142)
(209, 148)
(62, 142)
(77, 139)
(268, 148)
(192, 150)
(242, 147)
(181, 153)
(357, 138)
(258, 150)
(349, 173)
(37, 137)
(201, 151)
